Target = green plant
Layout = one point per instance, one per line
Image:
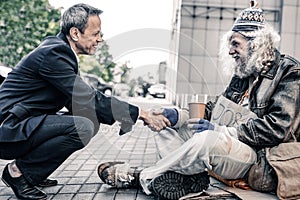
(23, 24)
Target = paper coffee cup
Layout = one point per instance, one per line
(196, 110)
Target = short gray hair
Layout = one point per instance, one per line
(77, 16)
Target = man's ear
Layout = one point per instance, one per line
(74, 32)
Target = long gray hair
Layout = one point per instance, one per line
(261, 52)
(77, 16)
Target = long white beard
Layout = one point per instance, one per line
(244, 69)
(248, 67)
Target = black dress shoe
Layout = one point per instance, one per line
(21, 188)
(47, 183)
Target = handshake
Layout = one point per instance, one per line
(158, 120)
(168, 117)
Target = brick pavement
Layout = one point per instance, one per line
(77, 176)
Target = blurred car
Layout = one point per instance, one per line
(157, 90)
(3, 72)
(97, 83)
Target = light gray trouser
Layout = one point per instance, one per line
(187, 153)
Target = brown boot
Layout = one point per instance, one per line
(119, 174)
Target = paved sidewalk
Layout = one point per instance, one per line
(78, 179)
(77, 176)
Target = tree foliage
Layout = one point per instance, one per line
(103, 67)
(106, 61)
(125, 70)
(23, 24)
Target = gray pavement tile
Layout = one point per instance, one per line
(62, 197)
(90, 188)
(94, 179)
(53, 190)
(5, 191)
(90, 162)
(70, 188)
(84, 196)
(122, 157)
(142, 196)
(83, 173)
(61, 180)
(2, 184)
(77, 180)
(77, 162)
(137, 156)
(122, 196)
(107, 189)
(105, 196)
(73, 167)
(67, 173)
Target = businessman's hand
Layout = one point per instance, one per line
(155, 120)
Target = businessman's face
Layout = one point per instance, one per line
(88, 41)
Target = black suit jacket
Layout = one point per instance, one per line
(44, 82)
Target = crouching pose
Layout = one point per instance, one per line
(33, 132)
(263, 97)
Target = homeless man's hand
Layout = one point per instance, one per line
(170, 113)
(198, 125)
(155, 121)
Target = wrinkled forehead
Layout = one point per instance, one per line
(237, 36)
(94, 24)
(237, 40)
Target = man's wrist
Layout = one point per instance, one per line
(142, 114)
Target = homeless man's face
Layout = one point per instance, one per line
(241, 51)
(239, 48)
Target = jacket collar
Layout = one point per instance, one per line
(273, 70)
(64, 38)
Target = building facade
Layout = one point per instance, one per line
(198, 26)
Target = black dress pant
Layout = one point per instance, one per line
(49, 146)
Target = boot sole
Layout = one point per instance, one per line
(172, 185)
